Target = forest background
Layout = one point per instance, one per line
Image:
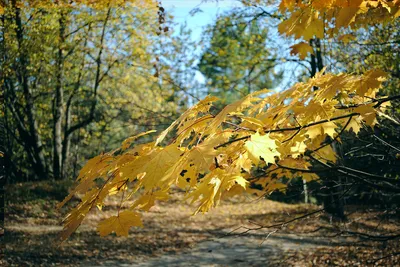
(78, 82)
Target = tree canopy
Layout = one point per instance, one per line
(237, 61)
(77, 81)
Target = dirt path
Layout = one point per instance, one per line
(231, 251)
(255, 249)
(249, 250)
(172, 237)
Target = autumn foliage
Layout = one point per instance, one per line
(212, 154)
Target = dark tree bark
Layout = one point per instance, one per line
(58, 112)
(3, 177)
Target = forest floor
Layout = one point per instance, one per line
(172, 237)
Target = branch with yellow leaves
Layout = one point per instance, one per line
(297, 128)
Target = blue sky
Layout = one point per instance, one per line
(180, 9)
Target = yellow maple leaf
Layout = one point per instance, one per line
(329, 128)
(243, 162)
(231, 108)
(302, 49)
(202, 155)
(275, 185)
(207, 190)
(201, 107)
(308, 177)
(367, 113)
(298, 149)
(346, 16)
(252, 123)
(261, 146)
(213, 186)
(145, 202)
(314, 131)
(194, 125)
(369, 81)
(326, 153)
(120, 224)
(355, 125)
(304, 23)
(158, 166)
(127, 142)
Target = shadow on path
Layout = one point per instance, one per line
(249, 250)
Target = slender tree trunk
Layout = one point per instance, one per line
(3, 177)
(305, 189)
(66, 144)
(59, 103)
(68, 136)
(313, 61)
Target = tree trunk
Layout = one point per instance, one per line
(332, 189)
(68, 135)
(2, 173)
(59, 104)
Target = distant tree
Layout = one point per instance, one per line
(237, 60)
(80, 79)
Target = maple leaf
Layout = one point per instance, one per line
(308, 177)
(120, 224)
(73, 220)
(261, 146)
(346, 16)
(201, 107)
(158, 165)
(145, 202)
(325, 152)
(302, 49)
(243, 162)
(355, 125)
(367, 113)
(234, 107)
(370, 80)
(127, 142)
(208, 188)
(303, 23)
(212, 186)
(298, 149)
(329, 128)
(314, 131)
(194, 125)
(252, 123)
